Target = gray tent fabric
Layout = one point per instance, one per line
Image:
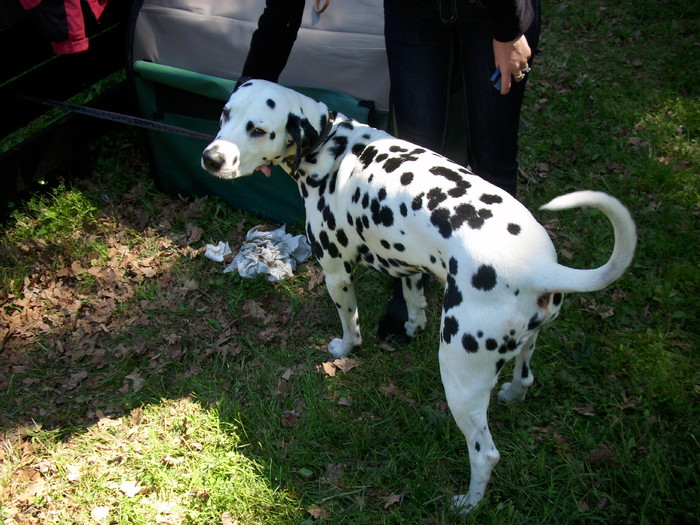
(341, 49)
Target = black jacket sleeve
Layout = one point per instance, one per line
(510, 18)
(272, 41)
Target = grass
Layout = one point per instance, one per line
(140, 384)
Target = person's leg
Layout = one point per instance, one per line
(493, 119)
(420, 56)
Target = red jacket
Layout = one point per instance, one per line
(63, 23)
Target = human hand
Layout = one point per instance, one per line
(511, 58)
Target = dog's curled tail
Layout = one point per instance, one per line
(564, 279)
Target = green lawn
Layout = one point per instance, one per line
(140, 384)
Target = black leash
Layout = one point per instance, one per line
(121, 118)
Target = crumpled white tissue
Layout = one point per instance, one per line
(274, 254)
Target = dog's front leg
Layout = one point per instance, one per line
(342, 291)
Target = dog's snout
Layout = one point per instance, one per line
(213, 159)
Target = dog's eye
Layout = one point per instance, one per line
(226, 114)
(258, 132)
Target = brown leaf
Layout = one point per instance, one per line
(132, 488)
(602, 455)
(586, 410)
(329, 368)
(318, 513)
(346, 364)
(393, 500)
(73, 473)
(289, 418)
(100, 515)
(171, 461)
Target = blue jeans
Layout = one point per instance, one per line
(434, 46)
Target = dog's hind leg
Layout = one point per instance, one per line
(342, 291)
(516, 390)
(468, 379)
(414, 295)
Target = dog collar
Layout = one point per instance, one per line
(323, 137)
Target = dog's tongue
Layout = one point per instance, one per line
(265, 169)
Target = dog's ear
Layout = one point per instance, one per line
(294, 129)
(303, 135)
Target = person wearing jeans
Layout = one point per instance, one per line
(433, 46)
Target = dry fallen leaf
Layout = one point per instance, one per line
(171, 461)
(329, 369)
(346, 364)
(393, 500)
(319, 514)
(99, 515)
(289, 418)
(132, 488)
(602, 455)
(73, 473)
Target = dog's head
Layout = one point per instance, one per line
(264, 123)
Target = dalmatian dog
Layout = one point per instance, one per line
(376, 200)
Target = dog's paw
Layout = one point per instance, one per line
(413, 326)
(463, 503)
(338, 348)
(509, 393)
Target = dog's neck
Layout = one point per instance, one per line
(311, 149)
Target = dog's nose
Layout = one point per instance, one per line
(212, 159)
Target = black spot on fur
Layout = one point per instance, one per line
(453, 266)
(381, 157)
(340, 144)
(484, 278)
(513, 229)
(399, 247)
(342, 238)
(470, 344)
(453, 297)
(469, 214)
(499, 365)
(457, 192)
(403, 209)
(406, 178)
(368, 156)
(440, 218)
(393, 164)
(357, 149)
(417, 202)
(435, 197)
(535, 322)
(443, 171)
(491, 344)
(271, 103)
(557, 298)
(491, 199)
